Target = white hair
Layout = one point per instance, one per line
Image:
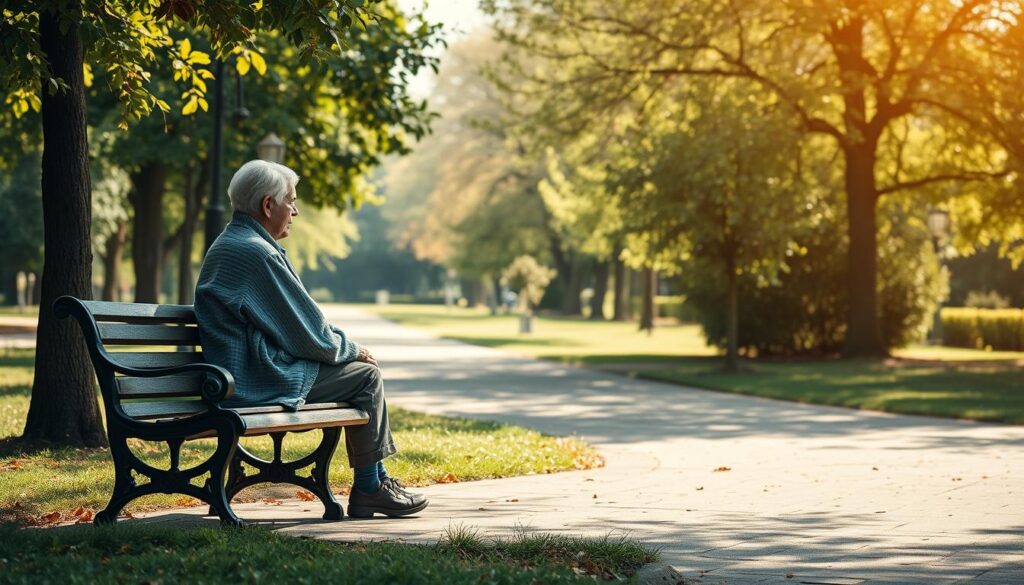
(257, 179)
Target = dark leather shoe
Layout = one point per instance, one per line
(391, 500)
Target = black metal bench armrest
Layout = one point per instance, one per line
(218, 385)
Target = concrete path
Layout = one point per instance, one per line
(733, 489)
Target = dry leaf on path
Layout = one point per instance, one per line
(448, 478)
(723, 468)
(271, 501)
(188, 502)
(12, 465)
(51, 518)
(305, 496)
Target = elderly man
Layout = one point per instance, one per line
(257, 320)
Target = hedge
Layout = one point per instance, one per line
(1001, 329)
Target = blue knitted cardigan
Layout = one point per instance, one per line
(257, 320)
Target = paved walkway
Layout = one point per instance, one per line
(812, 494)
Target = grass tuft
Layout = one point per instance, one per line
(143, 554)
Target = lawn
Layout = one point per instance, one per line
(147, 554)
(37, 485)
(937, 381)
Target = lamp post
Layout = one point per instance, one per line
(938, 224)
(215, 207)
(271, 148)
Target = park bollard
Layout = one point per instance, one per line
(525, 323)
(383, 297)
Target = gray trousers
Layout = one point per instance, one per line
(359, 384)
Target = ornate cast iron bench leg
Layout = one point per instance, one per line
(279, 471)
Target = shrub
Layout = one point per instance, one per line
(805, 311)
(1001, 329)
(960, 327)
(986, 300)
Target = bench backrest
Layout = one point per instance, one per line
(172, 327)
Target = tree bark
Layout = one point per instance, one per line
(600, 289)
(864, 330)
(185, 233)
(620, 311)
(147, 198)
(113, 250)
(732, 359)
(63, 407)
(647, 310)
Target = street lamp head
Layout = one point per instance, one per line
(271, 148)
(938, 222)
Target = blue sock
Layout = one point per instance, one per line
(382, 473)
(366, 479)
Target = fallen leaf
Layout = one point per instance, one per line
(700, 489)
(271, 501)
(187, 502)
(513, 500)
(85, 516)
(449, 478)
(305, 496)
(595, 496)
(127, 514)
(50, 518)
(874, 469)
(723, 468)
(790, 575)
(13, 465)
(344, 491)
(78, 511)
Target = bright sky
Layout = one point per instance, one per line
(458, 17)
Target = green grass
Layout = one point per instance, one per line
(432, 449)
(144, 554)
(552, 336)
(925, 380)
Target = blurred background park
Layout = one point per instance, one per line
(715, 192)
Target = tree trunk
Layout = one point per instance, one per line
(63, 408)
(186, 288)
(147, 198)
(732, 363)
(571, 305)
(113, 250)
(647, 311)
(620, 311)
(600, 289)
(863, 326)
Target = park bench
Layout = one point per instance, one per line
(175, 396)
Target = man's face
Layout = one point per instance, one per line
(279, 215)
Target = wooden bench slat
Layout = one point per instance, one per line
(162, 387)
(178, 408)
(130, 334)
(140, 312)
(303, 420)
(156, 359)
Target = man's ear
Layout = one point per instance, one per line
(266, 206)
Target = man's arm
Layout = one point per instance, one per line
(279, 306)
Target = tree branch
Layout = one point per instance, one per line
(953, 177)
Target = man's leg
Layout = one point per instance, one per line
(360, 385)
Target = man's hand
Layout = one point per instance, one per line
(366, 357)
